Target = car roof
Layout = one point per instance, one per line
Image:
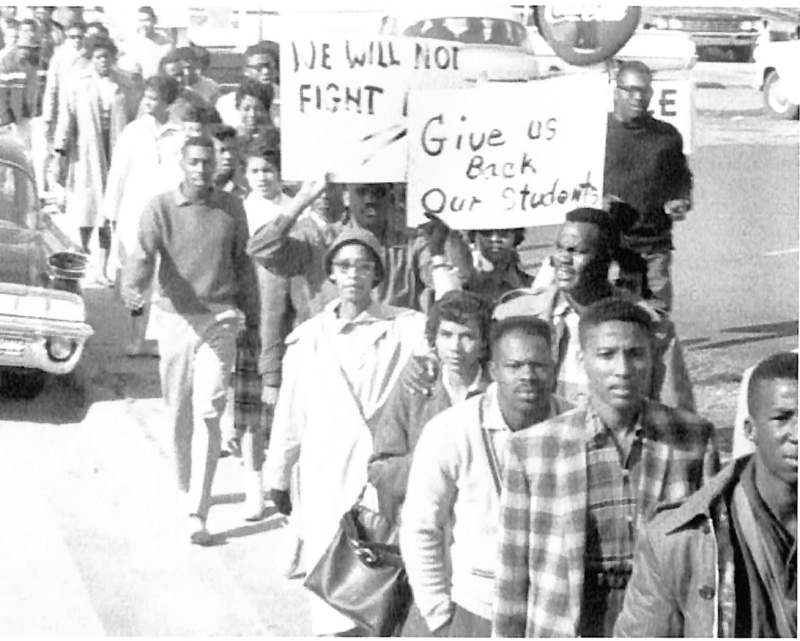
(455, 10)
(12, 152)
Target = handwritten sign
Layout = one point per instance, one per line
(507, 155)
(673, 102)
(344, 100)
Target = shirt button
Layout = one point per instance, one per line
(707, 592)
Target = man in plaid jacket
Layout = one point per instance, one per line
(578, 487)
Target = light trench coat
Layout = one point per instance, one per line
(322, 423)
(145, 164)
(78, 133)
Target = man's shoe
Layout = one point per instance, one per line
(198, 533)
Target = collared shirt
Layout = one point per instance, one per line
(571, 381)
(260, 210)
(470, 390)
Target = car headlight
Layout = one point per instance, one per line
(674, 23)
(747, 25)
(60, 349)
(660, 23)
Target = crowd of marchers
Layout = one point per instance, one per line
(532, 436)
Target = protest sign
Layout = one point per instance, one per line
(673, 102)
(343, 102)
(507, 155)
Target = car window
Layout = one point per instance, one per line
(471, 30)
(17, 197)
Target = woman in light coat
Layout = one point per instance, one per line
(339, 369)
(100, 103)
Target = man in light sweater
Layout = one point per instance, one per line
(206, 289)
(451, 512)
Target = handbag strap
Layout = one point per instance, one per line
(491, 453)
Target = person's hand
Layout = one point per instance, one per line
(310, 190)
(437, 232)
(609, 200)
(133, 299)
(677, 208)
(282, 501)
(420, 375)
(269, 395)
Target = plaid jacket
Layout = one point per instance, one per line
(540, 570)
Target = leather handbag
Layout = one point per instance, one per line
(361, 574)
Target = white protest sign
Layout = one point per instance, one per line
(343, 102)
(673, 102)
(507, 155)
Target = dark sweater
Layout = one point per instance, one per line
(203, 266)
(645, 167)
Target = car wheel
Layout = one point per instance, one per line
(778, 105)
(22, 383)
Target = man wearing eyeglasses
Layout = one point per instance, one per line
(648, 184)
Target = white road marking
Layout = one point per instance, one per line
(783, 252)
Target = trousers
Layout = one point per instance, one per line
(197, 354)
(659, 278)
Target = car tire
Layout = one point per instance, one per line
(22, 383)
(777, 104)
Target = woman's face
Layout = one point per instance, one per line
(496, 245)
(353, 272)
(103, 60)
(152, 104)
(253, 113)
(458, 345)
(262, 178)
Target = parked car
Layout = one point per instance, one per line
(733, 29)
(778, 76)
(43, 326)
(493, 44)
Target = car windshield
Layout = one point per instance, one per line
(17, 197)
(490, 31)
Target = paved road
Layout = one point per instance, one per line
(93, 541)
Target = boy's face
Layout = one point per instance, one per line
(772, 426)
(262, 177)
(225, 152)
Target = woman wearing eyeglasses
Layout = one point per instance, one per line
(338, 372)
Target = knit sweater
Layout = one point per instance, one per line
(645, 167)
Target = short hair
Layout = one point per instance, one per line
(166, 88)
(611, 309)
(263, 48)
(171, 56)
(185, 54)
(460, 307)
(203, 57)
(780, 366)
(631, 262)
(634, 66)
(198, 141)
(249, 87)
(223, 132)
(531, 325)
(99, 41)
(148, 10)
(75, 24)
(97, 26)
(190, 109)
(607, 236)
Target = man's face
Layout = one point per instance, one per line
(175, 70)
(42, 14)
(772, 426)
(147, 24)
(225, 155)
(74, 38)
(617, 358)
(353, 272)
(577, 253)
(522, 367)
(496, 245)
(197, 164)
(369, 206)
(260, 67)
(103, 60)
(458, 345)
(632, 95)
(190, 71)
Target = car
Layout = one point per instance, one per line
(43, 328)
(778, 76)
(734, 29)
(493, 45)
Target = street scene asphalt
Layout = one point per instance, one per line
(93, 542)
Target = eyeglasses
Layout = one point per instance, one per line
(361, 267)
(641, 91)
